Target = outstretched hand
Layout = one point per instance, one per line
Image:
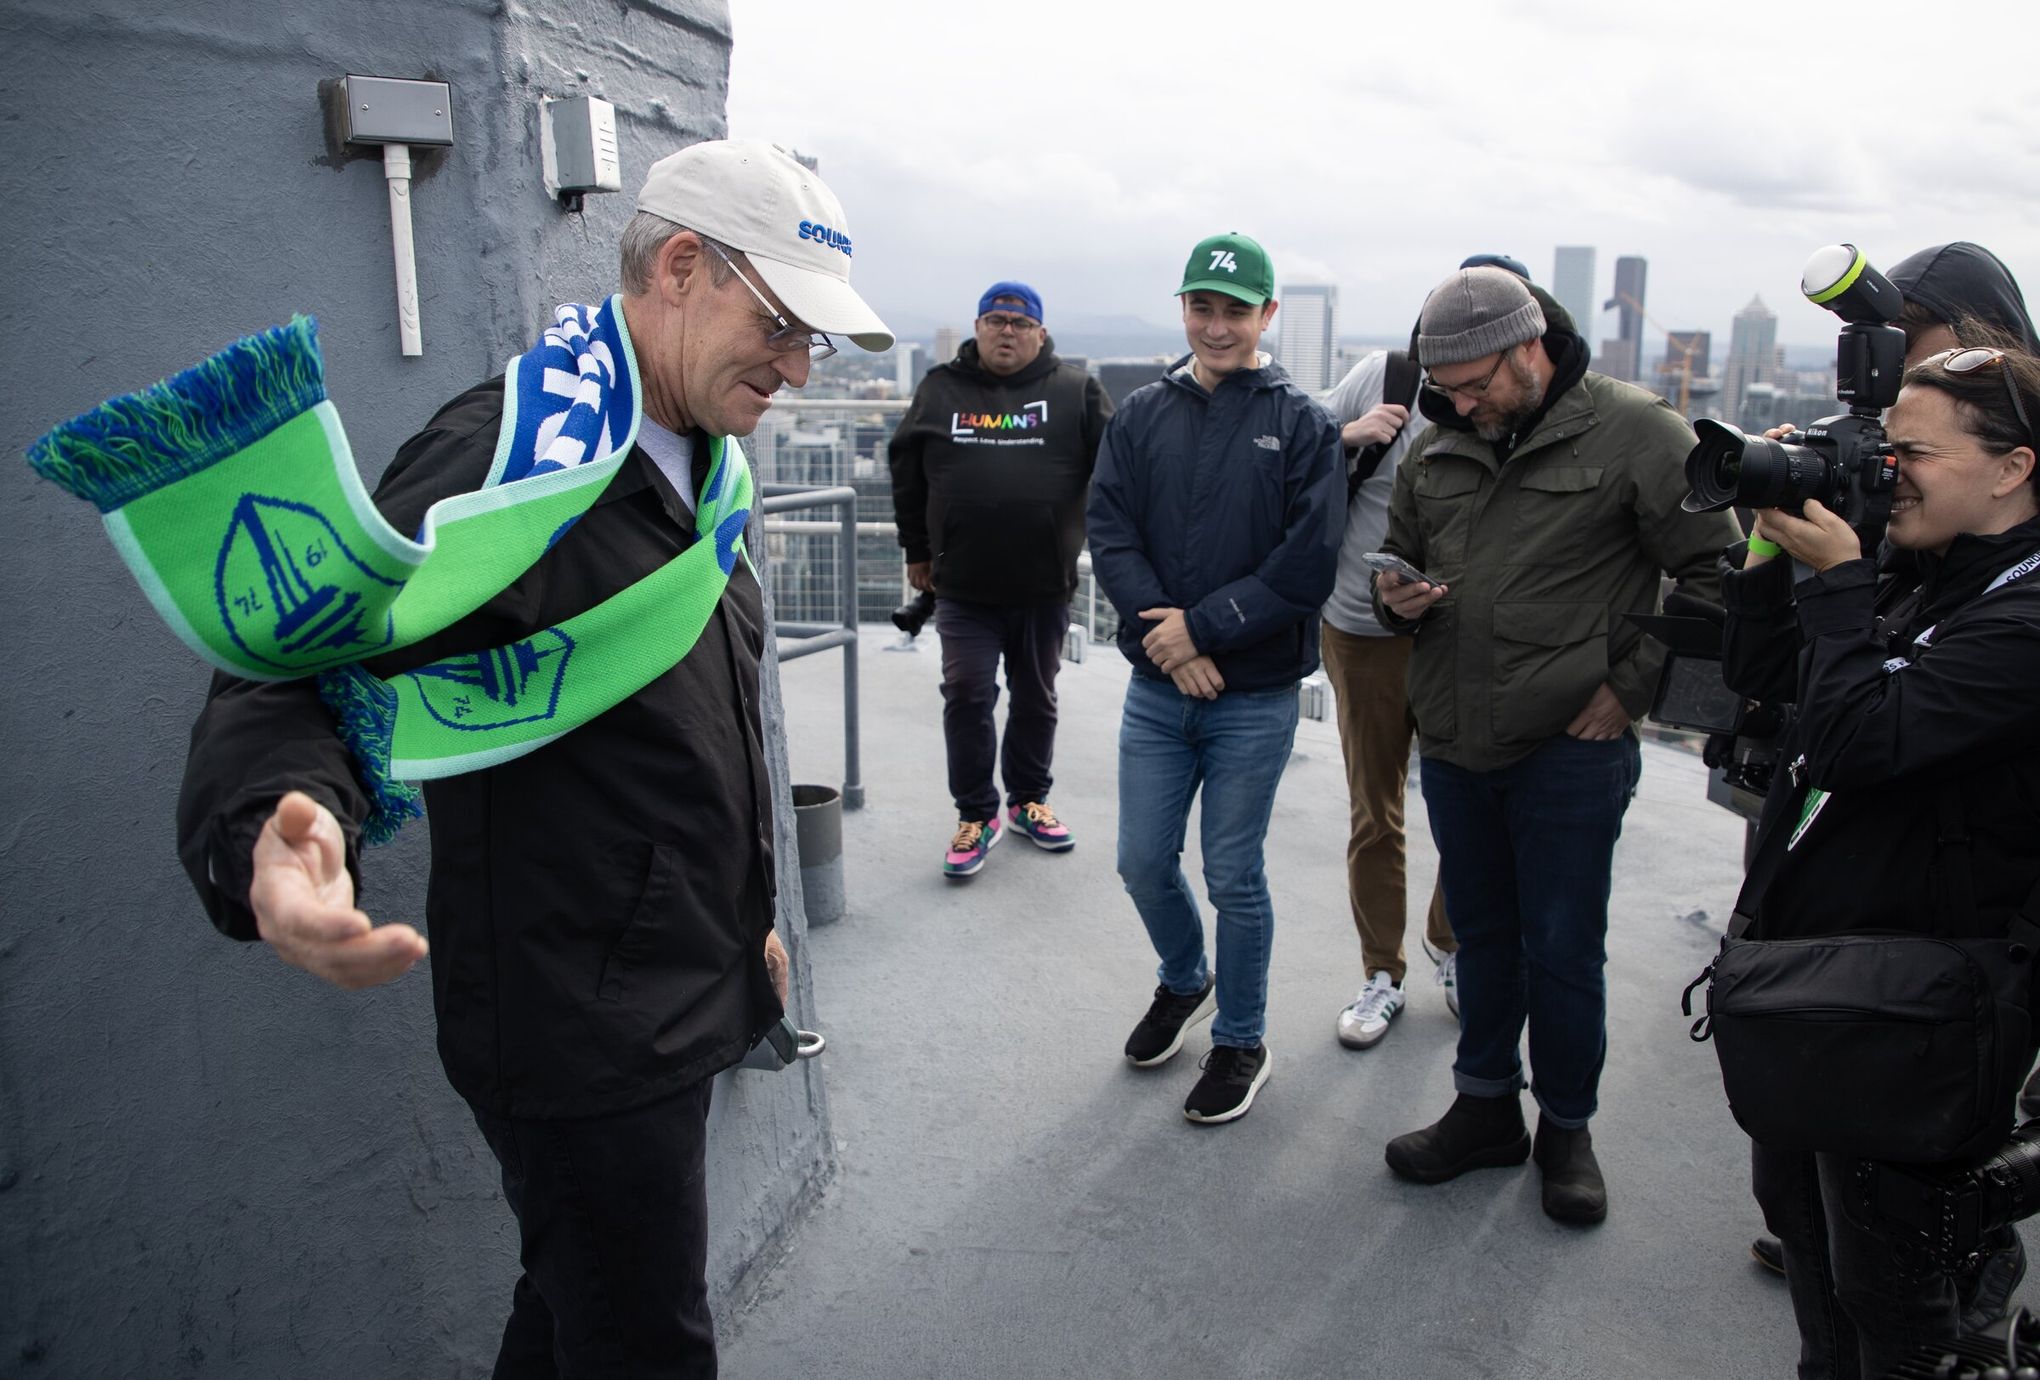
(303, 899)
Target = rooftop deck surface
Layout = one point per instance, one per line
(1014, 1200)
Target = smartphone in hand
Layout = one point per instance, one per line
(1383, 562)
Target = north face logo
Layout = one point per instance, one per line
(1267, 443)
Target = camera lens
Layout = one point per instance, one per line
(1728, 469)
(1714, 467)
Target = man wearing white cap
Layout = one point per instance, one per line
(602, 906)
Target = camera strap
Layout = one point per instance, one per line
(2016, 571)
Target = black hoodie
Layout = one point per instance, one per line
(1964, 279)
(990, 473)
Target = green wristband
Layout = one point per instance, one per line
(1764, 546)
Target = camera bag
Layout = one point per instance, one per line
(1907, 1048)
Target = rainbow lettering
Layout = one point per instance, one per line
(1033, 415)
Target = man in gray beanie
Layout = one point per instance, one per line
(1540, 507)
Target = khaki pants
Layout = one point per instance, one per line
(1369, 678)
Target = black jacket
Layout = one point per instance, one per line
(597, 908)
(1228, 505)
(990, 472)
(1893, 744)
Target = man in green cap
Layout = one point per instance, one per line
(1214, 524)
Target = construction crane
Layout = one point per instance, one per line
(1685, 365)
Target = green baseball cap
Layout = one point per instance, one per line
(1230, 263)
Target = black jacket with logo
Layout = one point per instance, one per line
(597, 908)
(990, 473)
(1893, 744)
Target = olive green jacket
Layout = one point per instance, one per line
(1543, 555)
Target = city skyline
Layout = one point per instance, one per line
(1095, 182)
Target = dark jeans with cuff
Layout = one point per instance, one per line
(1526, 853)
(612, 1217)
(974, 638)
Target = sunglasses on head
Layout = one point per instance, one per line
(1969, 360)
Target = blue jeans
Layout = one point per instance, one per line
(1235, 747)
(1525, 854)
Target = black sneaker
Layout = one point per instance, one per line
(1160, 1032)
(1231, 1078)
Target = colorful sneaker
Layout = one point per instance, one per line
(967, 850)
(1231, 1078)
(1038, 822)
(1362, 1024)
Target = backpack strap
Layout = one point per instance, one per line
(1399, 384)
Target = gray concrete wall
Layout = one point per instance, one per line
(211, 1164)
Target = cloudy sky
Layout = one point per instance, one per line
(1085, 147)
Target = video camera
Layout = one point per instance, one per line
(1844, 461)
(1948, 1216)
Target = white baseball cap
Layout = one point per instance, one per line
(757, 198)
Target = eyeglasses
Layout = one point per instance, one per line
(1976, 357)
(788, 337)
(1471, 390)
(992, 321)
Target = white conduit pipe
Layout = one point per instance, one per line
(396, 160)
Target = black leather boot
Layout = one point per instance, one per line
(1573, 1188)
(1474, 1133)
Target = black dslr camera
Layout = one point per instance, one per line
(911, 616)
(1843, 461)
(1948, 1216)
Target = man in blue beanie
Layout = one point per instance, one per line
(990, 468)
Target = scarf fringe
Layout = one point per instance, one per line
(365, 715)
(141, 442)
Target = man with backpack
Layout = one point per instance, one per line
(1368, 669)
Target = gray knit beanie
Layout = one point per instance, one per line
(1474, 313)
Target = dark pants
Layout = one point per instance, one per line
(612, 1216)
(1526, 853)
(1862, 1305)
(974, 637)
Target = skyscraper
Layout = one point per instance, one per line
(947, 338)
(1752, 354)
(1572, 283)
(1694, 347)
(907, 366)
(1309, 333)
(1622, 361)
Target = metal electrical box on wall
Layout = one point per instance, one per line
(577, 147)
(390, 110)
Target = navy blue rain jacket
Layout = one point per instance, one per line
(1228, 505)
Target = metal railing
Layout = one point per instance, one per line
(797, 638)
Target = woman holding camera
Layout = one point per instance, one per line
(1917, 687)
